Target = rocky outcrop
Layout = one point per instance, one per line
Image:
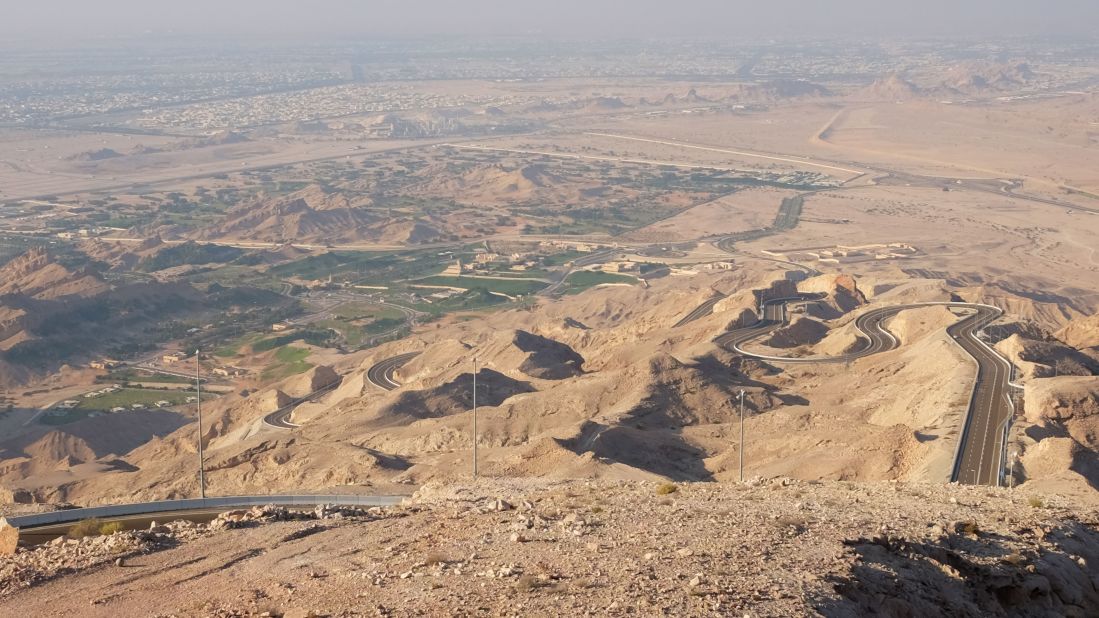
(802, 331)
(272, 400)
(1082, 333)
(547, 359)
(1046, 359)
(15, 496)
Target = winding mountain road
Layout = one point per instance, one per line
(700, 311)
(280, 419)
(979, 458)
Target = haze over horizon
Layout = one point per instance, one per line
(612, 18)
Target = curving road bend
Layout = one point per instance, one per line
(383, 373)
(979, 459)
(280, 419)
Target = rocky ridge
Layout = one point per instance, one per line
(506, 547)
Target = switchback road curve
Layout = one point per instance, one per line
(280, 419)
(382, 374)
(979, 458)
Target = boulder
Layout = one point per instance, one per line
(321, 377)
(9, 538)
(273, 400)
(15, 496)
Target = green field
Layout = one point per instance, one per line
(476, 298)
(289, 361)
(511, 287)
(364, 311)
(584, 279)
(362, 267)
(135, 375)
(124, 398)
(233, 347)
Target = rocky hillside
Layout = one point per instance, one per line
(773, 547)
(36, 274)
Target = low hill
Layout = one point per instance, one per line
(891, 87)
(309, 215)
(38, 275)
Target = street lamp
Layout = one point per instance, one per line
(474, 417)
(742, 435)
(198, 409)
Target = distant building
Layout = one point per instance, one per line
(229, 372)
(620, 267)
(729, 265)
(278, 327)
(172, 358)
(454, 269)
(103, 364)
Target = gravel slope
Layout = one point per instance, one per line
(764, 548)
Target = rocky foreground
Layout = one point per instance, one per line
(765, 548)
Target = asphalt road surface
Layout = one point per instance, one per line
(382, 374)
(587, 260)
(702, 310)
(980, 454)
(979, 461)
(280, 419)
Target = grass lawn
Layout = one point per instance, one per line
(135, 375)
(470, 300)
(129, 396)
(233, 347)
(559, 259)
(363, 311)
(584, 279)
(289, 361)
(510, 287)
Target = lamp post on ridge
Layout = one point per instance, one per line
(742, 435)
(474, 417)
(198, 409)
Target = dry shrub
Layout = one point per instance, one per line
(85, 528)
(93, 527)
(1035, 502)
(666, 488)
(527, 583)
(108, 529)
(436, 558)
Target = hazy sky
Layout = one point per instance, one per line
(614, 18)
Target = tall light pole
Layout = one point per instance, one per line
(198, 409)
(742, 435)
(474, 417)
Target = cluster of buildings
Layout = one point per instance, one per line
(856, 253)
(303, 106)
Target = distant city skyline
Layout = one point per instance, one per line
(73, 19)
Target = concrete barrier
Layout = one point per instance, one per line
(164, 506)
